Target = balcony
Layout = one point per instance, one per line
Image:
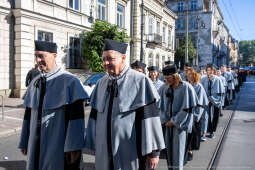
(154, 38)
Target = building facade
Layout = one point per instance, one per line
(59, 21)
(234, 56)
(158, 32)
(206, 27)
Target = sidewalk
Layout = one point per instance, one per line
(13, 116)
(11, 121)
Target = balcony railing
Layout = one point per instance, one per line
(154, 38)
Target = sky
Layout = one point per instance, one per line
(239, 16)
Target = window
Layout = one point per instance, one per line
(75, 60)
(74, 4)
(164, 35)
(179, 24)
(157, 60)
(163, 59)
(158, 28)
(45, 36)
(180, 6)
(193, 24)
(101, 10)
(150, 62)
(193, 5)
(120, 15)
(169, 38)
(151, 22)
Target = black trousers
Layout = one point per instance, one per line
(213, 123)
(69, 165)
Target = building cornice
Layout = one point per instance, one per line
(170, 13)
(19, 12)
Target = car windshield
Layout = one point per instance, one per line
(93, 79)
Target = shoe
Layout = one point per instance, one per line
(203, 138)
(211, 135)
(190, 156)
(221, 115)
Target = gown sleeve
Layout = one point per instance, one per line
(25, 129)
(75, 126)
(90, 139)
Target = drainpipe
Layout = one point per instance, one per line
(12, 49)
(132, 31)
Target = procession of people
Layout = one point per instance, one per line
(134, 120)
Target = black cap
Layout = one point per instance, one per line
(115, 46)
(169, 62)
(169, 70)
(46, 46)
(188, 65)
(138, 64)
(153, 68)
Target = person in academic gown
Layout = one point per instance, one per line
(32, 74)
(230, 80)
(167, 63)
(124, 127)
(235, 76)
(184, 73)
(225, 84)
(177, 100)
(138, 66)
(214, 88)
(193, 141)
(53, 129)
(154, 76)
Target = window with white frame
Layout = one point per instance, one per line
(193, 24)
(193, 5)
(120, 15)
(101, 10)
(74, 4)
(150, 60)
(157, 60)
(180, 6)
(151, 22)
(158, 28)
(75, 57)
(169, 38)
(164, 35)
(179, 23)
(44, 36)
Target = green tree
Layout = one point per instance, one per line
(180, 52)
(247, 49)
(93, 43)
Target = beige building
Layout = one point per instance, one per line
(60, 21)
(233, 51)
(159, 32)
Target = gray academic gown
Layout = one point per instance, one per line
(134, 91)
(56, 134)
(230, 80)
(158, 83)
(225, 84)
(184, 97)
(213, 93)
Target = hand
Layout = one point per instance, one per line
(23, 151)
(152, 162)
(169, 123)
(75, 155)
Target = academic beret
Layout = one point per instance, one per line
(169, 70)
(138, 64)
(115, 46)
(46, 46)
(169, 62)
(188, 65)
(153, 68)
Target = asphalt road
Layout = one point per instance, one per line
(238, 149)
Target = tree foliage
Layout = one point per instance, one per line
(93, 43)
(247, 49)
(180, 52)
